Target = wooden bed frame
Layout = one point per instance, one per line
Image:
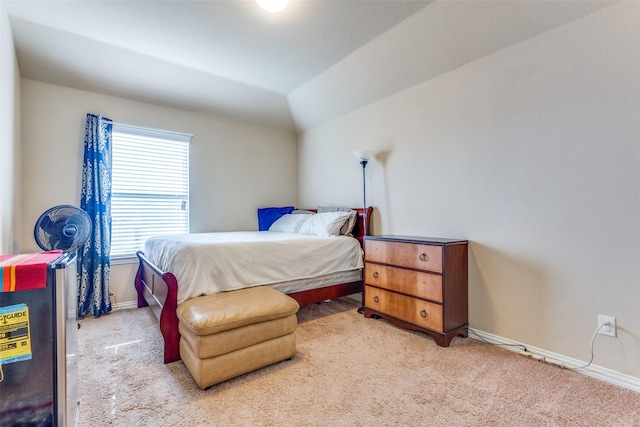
(159, 290)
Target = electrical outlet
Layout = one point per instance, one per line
(610, 329)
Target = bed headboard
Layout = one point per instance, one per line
(358, 229)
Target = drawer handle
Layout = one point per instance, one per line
(375, 274)
(423, 313)
(376, 299)
(424, 257)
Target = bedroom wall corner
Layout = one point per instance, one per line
(10, 138)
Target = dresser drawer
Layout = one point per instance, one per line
(418, 256)
(411, 282)
(416, 311)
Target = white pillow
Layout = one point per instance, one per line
(289, 223)
(347, 227)
(324, 224)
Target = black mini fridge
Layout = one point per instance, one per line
(41, 390)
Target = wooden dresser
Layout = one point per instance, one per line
(418, 283)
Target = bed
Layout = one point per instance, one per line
(162, 289)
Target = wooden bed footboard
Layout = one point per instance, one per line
(159, 290)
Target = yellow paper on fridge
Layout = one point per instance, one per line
(15, 335)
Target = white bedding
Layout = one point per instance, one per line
(207, 263)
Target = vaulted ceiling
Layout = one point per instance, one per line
(311, 63)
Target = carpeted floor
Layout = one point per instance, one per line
(347, 371)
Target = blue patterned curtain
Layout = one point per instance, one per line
(94, 256)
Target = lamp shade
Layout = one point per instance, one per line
(365, 154)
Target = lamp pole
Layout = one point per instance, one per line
(364, 162)
(363, 157)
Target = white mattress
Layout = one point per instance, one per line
(207, 263)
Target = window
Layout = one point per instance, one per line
(150, 187)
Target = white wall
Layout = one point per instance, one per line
(234, 167)
(9, 139)
(533, 154)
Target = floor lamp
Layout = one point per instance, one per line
(363, 157)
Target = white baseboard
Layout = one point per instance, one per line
(594, 371)
(124, 305)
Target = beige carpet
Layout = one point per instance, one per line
(348, 371)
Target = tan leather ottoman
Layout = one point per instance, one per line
(231, 333)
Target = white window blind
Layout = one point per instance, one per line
(150, 186)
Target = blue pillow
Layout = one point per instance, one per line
(267, 216)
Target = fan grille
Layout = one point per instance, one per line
(62, 227)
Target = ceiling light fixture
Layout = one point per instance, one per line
(273, 6)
